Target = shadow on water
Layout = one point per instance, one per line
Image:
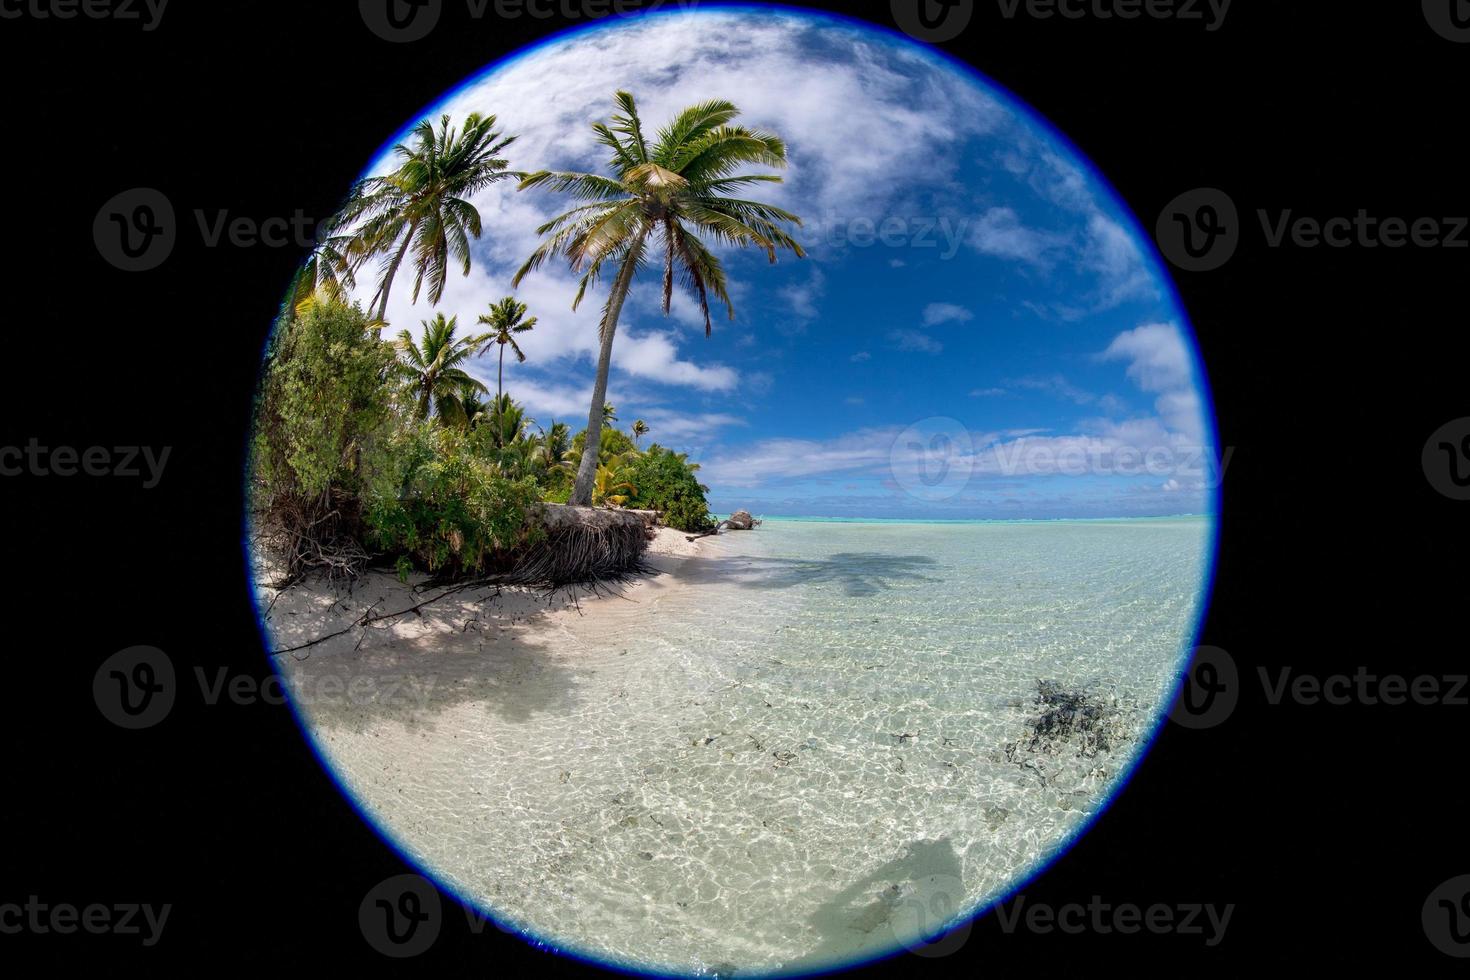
(866, 573)
(873, 914)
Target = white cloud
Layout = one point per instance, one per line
(1000, 232)
(1158, 356)
(1159, 361)
(1057, 386)
(914, 340)
(937, 313)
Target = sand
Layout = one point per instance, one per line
(394, 667)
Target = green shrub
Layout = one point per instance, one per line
(321, 402)
(447, 508)
(611, 444)
(665, 482)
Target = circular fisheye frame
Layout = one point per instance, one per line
(886, 479)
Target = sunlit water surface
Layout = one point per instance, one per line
(797, 760)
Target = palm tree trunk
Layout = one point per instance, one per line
(499, 400)
(587, 472)
(392, 273)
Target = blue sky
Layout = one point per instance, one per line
(976, 332)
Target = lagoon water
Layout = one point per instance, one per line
(794, 756)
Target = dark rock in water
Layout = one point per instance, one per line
(741, 521)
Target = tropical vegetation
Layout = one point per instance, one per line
(370, 448)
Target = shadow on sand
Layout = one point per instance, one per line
(474, 647)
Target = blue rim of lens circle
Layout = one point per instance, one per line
(1146, 247)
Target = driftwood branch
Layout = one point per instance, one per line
(371, 616)
(707, 534)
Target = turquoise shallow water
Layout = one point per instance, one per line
(800, 758)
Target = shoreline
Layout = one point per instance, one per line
(307, 611)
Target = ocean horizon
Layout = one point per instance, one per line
(823, 519)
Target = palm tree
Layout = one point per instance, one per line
(505, 320)
(640, 429)
(606, 487)
(425, 206)
(326, 271)
(660, 195)
(556, 447)
(472, 408)
(609, 413)
(507, 420)
(432, 368)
